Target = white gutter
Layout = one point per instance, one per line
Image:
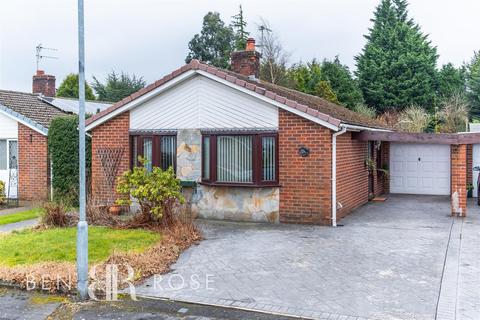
(352, 127)
(334, 173)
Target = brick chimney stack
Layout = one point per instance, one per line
(247, 62)
(44, 84)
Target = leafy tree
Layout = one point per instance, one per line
(308, 78)
(450, 81)
(117, 87)
(473, 84)
(273, 65)
(214, 43)
(239, 25)
(69, 88)
(63, 150)
(343, 84)
(396, 68)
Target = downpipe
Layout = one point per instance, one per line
(334, 174)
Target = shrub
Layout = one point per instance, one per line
(63, 150)
(365, 110)
(3, 197)
(54, 215)
(413, 119)
(157, 192)
(454, 114)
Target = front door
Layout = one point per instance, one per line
(476, 162)
(9, 166)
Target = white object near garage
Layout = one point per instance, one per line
(420, 168)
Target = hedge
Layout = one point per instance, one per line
(63, 151)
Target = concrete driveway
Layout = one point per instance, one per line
(402, 259)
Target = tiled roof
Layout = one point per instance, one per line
(312, 105)
(30, 106)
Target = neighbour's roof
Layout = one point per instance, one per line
(307, 104)
(72, 105)
(30, 106)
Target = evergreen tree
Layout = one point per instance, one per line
(308, 78)
(396, 68)
(117, 87)
(342, 83)
(214, 43)
(239, 25)
(450, 81)
(69, 88)
(473, 84)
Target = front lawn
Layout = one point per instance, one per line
(20, 216)
(59, 244)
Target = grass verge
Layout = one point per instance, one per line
(20, 216)
(59, 244)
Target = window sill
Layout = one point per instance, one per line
(240, 185)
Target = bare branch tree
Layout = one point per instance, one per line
(274, 57)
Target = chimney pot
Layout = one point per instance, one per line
(250, 44)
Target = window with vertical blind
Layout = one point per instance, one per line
(243, 159)
(157, 150)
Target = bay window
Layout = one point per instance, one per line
(157, 150)
(243, 159)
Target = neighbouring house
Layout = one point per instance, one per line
(261, 152)
(24, 122)
(24, 165)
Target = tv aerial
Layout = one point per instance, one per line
(39, 48)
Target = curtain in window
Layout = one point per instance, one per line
(234, 159)
(268, 159)
(169, 148)
(13, 155)
(134, 152)
(206, 158)
(147, 153)
(3, 154)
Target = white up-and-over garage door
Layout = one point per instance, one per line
(420, 168)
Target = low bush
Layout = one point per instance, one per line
(3, 197)
(55, 215)
(158, 193)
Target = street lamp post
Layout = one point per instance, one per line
(82, 234)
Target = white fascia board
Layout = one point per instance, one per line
(23, 120)
(270, 101)
(147, 96)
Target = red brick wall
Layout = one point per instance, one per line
(305, 193)
(469, 164)
(111, 134)
(352, 174)
(33, 168)
(381, 182)
(459, 178)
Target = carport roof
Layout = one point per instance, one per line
(433, 138)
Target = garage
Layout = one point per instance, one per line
(420, 168)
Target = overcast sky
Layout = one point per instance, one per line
(149, 37)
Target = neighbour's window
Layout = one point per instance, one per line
(248, 159)
(156, 150)
(3, 155)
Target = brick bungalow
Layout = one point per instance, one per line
(24, 165)
(24, 122)
(258, 151)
